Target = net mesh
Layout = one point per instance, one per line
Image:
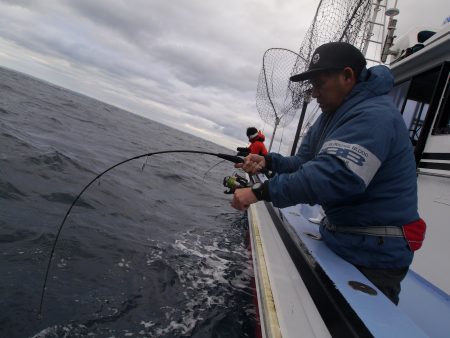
(273, 98)
(335, 20)
(278, 99)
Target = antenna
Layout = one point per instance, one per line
(372, 23)
(391, 12)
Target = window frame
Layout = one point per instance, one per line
(432, 111)
(442, 126)
(443, 68)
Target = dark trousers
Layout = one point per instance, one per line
(386, 280)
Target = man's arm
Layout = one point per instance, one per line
(344, 167)
(288, 164)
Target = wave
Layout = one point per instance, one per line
(16, 139)
(66, 198)
(56, 161)
(16, 236)
(10, 192)
(5, 112)
(166, 175)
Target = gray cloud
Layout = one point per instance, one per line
(190, 64)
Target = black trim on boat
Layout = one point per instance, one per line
(434, 165)
(436, 156)
(340, 319)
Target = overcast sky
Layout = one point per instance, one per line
(190, 64)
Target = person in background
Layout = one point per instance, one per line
(256, 146)
(357, 162)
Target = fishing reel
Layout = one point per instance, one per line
(234, 182)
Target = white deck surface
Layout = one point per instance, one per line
(295, 310)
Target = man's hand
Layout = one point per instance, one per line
(243, 198)
(252, 164)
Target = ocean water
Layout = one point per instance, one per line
(157, 252)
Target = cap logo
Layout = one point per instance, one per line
(315, 58)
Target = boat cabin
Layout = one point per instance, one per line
(421, 93)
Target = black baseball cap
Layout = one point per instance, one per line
(251, 131)
(333, 56)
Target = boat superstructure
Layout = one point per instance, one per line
(422, 96)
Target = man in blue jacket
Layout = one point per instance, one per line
(356, 161)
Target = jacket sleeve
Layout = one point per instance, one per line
(344, 166)
(288, 164)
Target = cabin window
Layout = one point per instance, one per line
(398, 94)
(413, 100)
(443, 120)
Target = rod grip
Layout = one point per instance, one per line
(231, 158)
(237, 159)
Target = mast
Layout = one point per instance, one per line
(372, 22)
(391, 12)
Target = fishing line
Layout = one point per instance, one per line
(215, 165)
(231, 158)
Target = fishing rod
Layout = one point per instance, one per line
(227, 157)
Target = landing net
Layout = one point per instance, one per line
(335, 20)
(273, 98)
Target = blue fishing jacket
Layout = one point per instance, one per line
(358, 164)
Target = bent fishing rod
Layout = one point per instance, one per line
(227, 157)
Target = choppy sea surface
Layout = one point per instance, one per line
(156, 252)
